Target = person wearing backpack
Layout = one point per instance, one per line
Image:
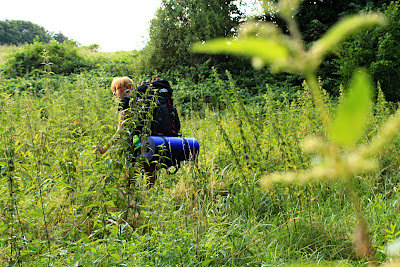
(158, 93)
(122, 88)
(150, 116)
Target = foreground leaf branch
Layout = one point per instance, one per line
(339, 157)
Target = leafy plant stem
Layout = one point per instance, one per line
(385, 135)
(38, 180)
(296, 34)
(13, 245)
(319, 102)
(362, 241)
(229, 143)
(9, 162)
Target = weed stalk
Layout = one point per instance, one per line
(38, 180)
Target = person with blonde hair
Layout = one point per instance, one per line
(122, 88)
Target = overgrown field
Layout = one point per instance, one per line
(62, 204)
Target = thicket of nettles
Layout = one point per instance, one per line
(62, 204)
(340, 157)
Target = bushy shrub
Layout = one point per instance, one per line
(122, 63)
(64, 59)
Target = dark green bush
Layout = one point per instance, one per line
(18, 32)
(377, 51)
(64, 59)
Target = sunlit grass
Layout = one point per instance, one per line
(213, 212)
(64, 205)
(6, 50)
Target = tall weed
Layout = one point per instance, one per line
(341, 158)
(63, 204)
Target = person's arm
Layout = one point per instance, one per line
(121, 118)
(103, 149)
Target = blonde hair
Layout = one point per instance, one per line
(118, 84)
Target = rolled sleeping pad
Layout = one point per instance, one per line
(170, 150)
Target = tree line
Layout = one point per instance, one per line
(19, 32)
(178, 24)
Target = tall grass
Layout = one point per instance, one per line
(63, 204)
(340, 156)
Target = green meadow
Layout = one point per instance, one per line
(280, 179)
(63, 204)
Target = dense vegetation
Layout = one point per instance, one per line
(376, 51)
(62, 204)
(175, 27)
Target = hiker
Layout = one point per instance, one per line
(155, 121)
(121, 88)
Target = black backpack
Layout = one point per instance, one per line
(165, 116)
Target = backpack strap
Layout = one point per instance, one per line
(155, 83)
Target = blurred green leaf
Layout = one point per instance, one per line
(264, 51)
(393, 248)
(115, 256)
(36, 214)
(109, 203)
(353, 112)
(288, 8)
(94, 204)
